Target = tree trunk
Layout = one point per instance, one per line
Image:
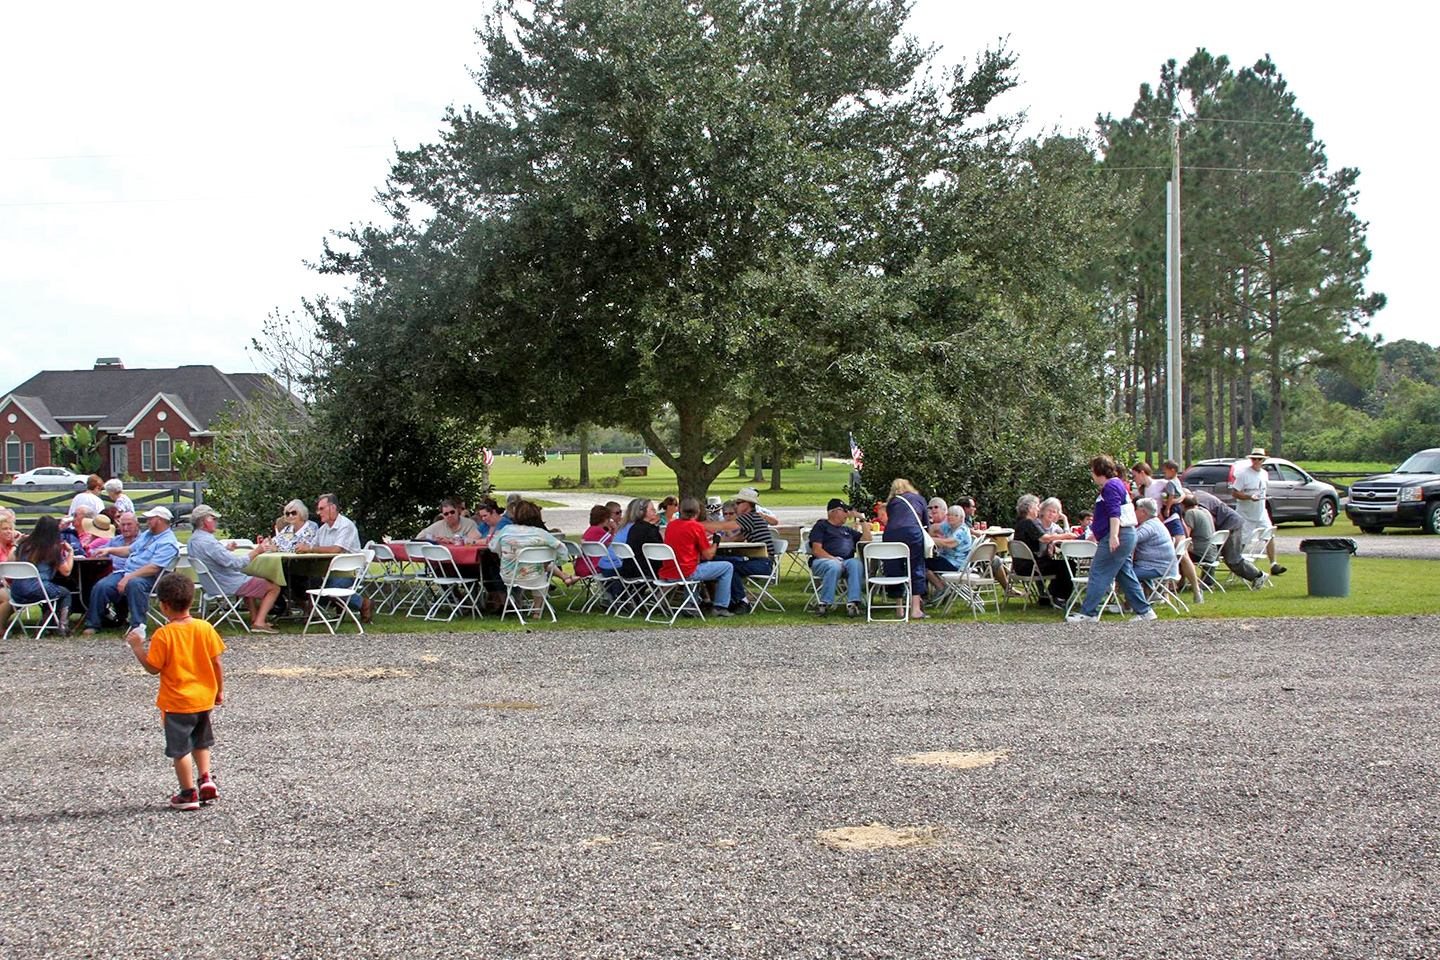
(759, 469)
(1247, 375)
(1209, 354)
(692, 472)
(1276, 414)
(582, 436)
(775, 461)
(740, 461)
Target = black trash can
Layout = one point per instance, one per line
(1327, 565)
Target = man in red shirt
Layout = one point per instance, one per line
(694, 551)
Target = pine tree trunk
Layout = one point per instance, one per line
(1247, 374)
(1276, 414)
(1209, 354)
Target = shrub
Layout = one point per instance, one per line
(564, 483)
(608, 483)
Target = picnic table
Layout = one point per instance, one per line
(465, 556)
(1000, 536)
(743, 548)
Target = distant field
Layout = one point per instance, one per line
(1344, 466)
(803, 486)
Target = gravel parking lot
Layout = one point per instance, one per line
(1248, 788)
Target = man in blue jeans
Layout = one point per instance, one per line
(833, 552)
(152, 553)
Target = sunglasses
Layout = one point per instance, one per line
(292, 513)
(447, 513)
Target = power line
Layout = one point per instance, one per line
(1272, 123)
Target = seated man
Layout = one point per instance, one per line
(337, 534)
(833, 551)
(753, 496)
(129, 530)
(752, 528)
(452, 527)
(225, 569)
(694, 555)
(1154, 550)
(152, 553)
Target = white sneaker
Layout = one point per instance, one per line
(1114, 608)
(1147, 615)
(1081, 618)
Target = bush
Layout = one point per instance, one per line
(608, 483)
(564, 483)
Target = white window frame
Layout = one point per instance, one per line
(29, 456)
(147, 457)
(163, 462)
(13, 454)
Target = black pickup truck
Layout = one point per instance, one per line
(1409, 497)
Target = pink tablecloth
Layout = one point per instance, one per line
(465, 556)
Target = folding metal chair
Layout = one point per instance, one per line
(354, 565)
(20, 570)
(1158, 591)
(1079, 554)
(881, 552)
(763, 582)
(599, 580)
(661, 589)
(1209, 562)
(152, 602)
(450, 589)
(392, 582)
(210, 592)
(808, 554)
(800, 556)
(1255, 552)
(1033, 583)
(973, 580)
(543, 557)
(637, 594)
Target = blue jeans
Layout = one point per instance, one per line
(828, 570)
(721, 573)
(746, 567)
(33, 591)
(1114, 568)
(916, 541)
(1146, 574)
(106, 592)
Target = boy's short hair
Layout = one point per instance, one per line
(175, 591)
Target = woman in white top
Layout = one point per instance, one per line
(295, 528)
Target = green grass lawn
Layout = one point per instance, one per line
(1349, 467)
(1378, 586)
(803, 486)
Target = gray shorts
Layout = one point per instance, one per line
(187, 732)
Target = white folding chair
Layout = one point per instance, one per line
(20, 570)
(661, 589)
(354, 565)
(599, 580)
(1079, 554)
(763, 582)
(974, 579)
(1209, 562)
(392, 582)
(800, 556)
(152, 602)
(637, 593)
(1159, 591)
(808, 553)
(583, 589)
(529, 557)
(450, 589)
(881, 552)
(1035, 584)
(210, 592)
(1255, 551)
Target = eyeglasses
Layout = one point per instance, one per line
(292, 513)
(447, 513)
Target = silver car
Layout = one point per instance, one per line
(1292, 493)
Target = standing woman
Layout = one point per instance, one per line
(53, 558)
(1113, 527)
(904, 510)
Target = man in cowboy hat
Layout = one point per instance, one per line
(1249, 485)
(224, 568)
(152, 553)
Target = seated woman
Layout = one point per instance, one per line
(603, 526)
(1037, 526)
(294, 528)
(669, 510)
(952, 542)
(642, 526)
(94, 532)
(52, 557)
(9, 539)
(527, 530)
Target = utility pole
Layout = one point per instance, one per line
(1174, 373)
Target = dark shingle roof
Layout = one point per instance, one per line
(38, 411)
(114, 397)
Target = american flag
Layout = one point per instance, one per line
(487, 456)
(856, 454)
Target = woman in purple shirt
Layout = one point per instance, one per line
(1113, 528)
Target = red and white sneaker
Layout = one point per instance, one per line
(186, 800)
(209, 789)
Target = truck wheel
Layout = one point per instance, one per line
(1325, 516)
(1432, 517)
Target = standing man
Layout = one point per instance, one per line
(152, 553)
(833, 552)
(338, 535)
(225, 569)
(1249, 485)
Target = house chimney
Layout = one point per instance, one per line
(108, 363)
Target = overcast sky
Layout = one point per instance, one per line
(166, 169)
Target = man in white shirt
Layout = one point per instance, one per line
(1249, 485)
(337, 534)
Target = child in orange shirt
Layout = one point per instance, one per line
(186, 654)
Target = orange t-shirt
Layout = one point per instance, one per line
(182, 651)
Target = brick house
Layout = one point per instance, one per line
(139, 415)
